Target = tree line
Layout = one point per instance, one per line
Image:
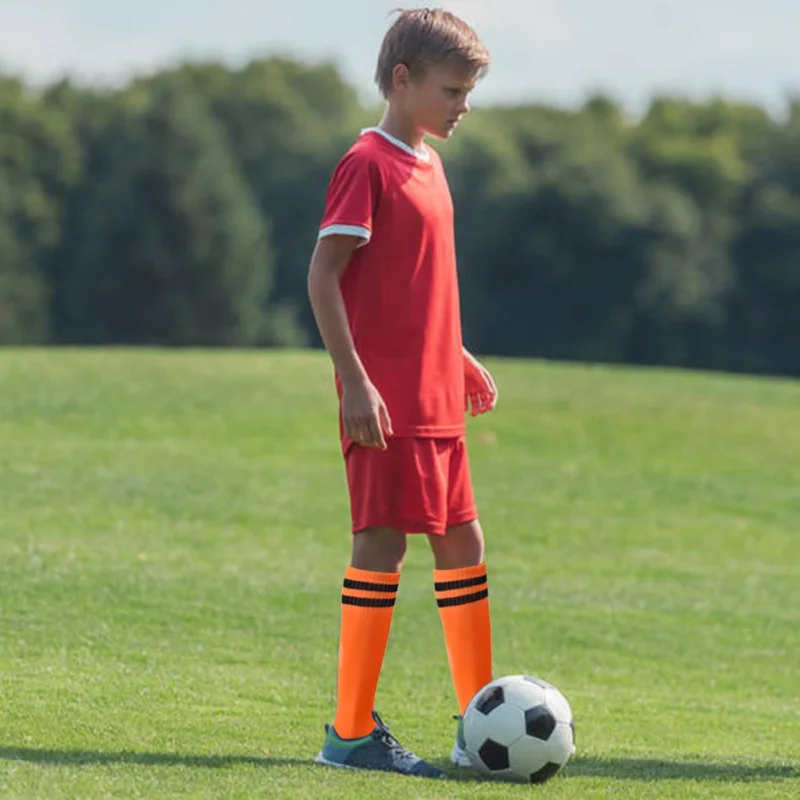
(182, 209)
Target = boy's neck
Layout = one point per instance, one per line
(397, 124)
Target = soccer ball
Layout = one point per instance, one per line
(519, 728)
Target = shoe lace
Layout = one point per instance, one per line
(389, 740)
(379, 722)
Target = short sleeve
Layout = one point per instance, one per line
(352, 197)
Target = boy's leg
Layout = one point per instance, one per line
(358, 739)
(462, 590)
(461, 586)
(369, 593)
(460, 581)
(462, 597)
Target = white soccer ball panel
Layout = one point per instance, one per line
(522, 693)
(558, 705)
(528, 755)
(476, 730)
(538, 681)
(505, 724)
(561, 744)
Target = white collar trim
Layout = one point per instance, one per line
(422, 153)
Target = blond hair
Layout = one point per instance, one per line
(425, 37)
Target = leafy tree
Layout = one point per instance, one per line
(39, 160)
(169, 246)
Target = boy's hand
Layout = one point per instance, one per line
(480, 389)
(364, 415)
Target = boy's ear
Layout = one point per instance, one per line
(400, 77)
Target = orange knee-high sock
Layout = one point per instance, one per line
(463, 599)
(368, 600)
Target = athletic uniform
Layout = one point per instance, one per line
(401, 295)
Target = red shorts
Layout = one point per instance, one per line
(415, 485)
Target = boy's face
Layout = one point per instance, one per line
(436, 101)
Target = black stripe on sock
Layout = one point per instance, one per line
(447, 586)
(463, 599)
(370, 587)
(368, 602)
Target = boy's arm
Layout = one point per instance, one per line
(328, 262)
(364, 413)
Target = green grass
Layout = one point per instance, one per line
(174, 529)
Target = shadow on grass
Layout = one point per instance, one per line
(95, 758)
(636, 769)
(653, 769)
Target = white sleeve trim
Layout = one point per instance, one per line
(347, 230)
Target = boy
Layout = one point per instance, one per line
(383, 286)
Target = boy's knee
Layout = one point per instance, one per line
(461, 546)
(379, 550)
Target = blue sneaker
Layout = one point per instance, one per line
(378, 751)
(458, 755)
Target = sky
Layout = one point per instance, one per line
(554, 51)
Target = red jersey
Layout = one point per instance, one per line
(401, 288)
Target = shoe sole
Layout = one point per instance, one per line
(320, 759)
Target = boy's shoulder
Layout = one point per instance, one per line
(364, 157)
(367, 146)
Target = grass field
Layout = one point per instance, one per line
(174, 528)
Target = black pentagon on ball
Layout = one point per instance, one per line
(539, 722)
(491, 700)
(545, 773)
(494, 755)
